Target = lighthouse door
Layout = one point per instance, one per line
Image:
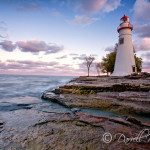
(133, 69)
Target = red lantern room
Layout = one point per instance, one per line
(124, 19)
(125, 24)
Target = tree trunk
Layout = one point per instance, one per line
(88, 71)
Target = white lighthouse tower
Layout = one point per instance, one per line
(125, 62)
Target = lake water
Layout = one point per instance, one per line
(24, 92)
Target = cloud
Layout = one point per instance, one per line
(57, 13)
(28, 6)
(35, 46)
(3, 30)
(109, 49)
(37, 63)
(27, 64)
(82, 20)
(142, 30)
(111, 5)
(92, 7)
(36, 68)
(43, 68)
(82, 68)
(3, 25)
(86, 9)
(24, 5)
(73, 54)
(146, 55)
(141, 10)
(81, 57)
(142, 44)
(88, 6)
(146, 66)
(7, 46)
(62, 57)
(141, 17)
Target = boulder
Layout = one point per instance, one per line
(133, 120)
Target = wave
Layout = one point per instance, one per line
(15, 85)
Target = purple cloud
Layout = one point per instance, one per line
(36, 67)
(146, 66)
(7, 46)
(86, 10)
(91, 7)
(42, 68)
(73, 54)
(82, 68)
(141, 11)
(57, 13)
(62, 57)
(23, 5)
(109, 49)
(146, 55)
(3, 30)
(26, 64)
(37, 63)
(82, 20)
(81, 57)
(28, 6)
(142, 44)
(142, 30)
(35, 46)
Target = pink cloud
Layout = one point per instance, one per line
(141, 10)
(29, 67)
(91, 7)
(35, 46)
(7, 45)
(142, 44)
(141, 17)
(3, 30)
(109, 49)
(86, 9)
(82, 20)
(146, 66)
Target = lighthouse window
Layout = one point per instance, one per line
(125, 19)
(121, 41)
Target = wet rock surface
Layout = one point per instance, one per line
(118, 95)
(82, 131)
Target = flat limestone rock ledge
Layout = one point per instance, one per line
(121, 95)
(34, 130)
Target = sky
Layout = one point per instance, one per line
(53, 37)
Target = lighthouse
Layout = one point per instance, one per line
(125, 62)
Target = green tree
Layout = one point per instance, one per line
(138, 62)
(108, 63)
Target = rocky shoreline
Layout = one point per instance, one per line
(122, 95)
(32, 129)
